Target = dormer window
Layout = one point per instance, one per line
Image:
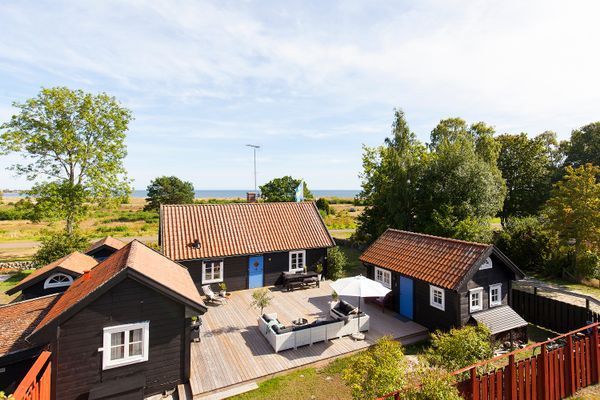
(58, 280)
(487, 264)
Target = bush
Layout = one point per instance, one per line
(323, 204)
(58, 244)
(459, 347)
(336, 263)
(378, 371)
(168, 190)
(431, 383)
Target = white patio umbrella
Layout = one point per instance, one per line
(359, 286)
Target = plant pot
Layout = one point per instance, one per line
(223, 293)
(320, 277)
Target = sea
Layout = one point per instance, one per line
(232, 194)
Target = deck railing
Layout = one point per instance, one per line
(564, 365)
(37, 383)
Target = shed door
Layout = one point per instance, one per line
(255, 272)
(406, 297)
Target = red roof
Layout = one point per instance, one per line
(137, 257)
(18, 320)
(242, 228)
(75, 263)
(440, 261)
(108, 241)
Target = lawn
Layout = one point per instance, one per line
(354, 266)
(10, 282)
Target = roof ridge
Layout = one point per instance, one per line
(28, 300)
(234, 204)
(445, 239)
(158, 253)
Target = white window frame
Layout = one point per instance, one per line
(48, 284)
(497, 286)
(297, 269)
(478, 291)
(487, 264)
(107, 363)
(212, 266)
(432, 302)
(384, 273)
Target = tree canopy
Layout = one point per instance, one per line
(283, 189)
(168, 190)
(584, 146)
(73, 144)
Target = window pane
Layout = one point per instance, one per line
(135, 335)
(117, 338)
(135, 349)
(118, 352)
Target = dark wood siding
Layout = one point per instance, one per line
(79, 364)
(37, 289)
(235, 272)
(430, 317)
(16, 366)
(275, 264)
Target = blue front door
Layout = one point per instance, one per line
(406, 297)
(255, 272)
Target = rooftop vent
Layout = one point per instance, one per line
(196, 244)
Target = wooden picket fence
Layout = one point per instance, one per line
(37, 383)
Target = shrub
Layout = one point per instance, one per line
(429, 383)
(459, 347)
(4, 396)
(58, 244)
(336, 263)
(378, 371)
(323, 204)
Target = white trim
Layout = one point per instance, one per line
(487, 264)
(48, 284)
(212, 265)
(432, 303)
(478, 307)
(492, 288)
(384, 273)
(107, 363)
(296, 253)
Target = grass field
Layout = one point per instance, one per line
(10, 282)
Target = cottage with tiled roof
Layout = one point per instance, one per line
(121, 330)
(442, 283)
(55, 277)
(104, 247)
(245, 245)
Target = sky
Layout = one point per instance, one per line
(311, 82)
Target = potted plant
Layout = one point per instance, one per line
(319, 270)
(261, 299)
(222, 289)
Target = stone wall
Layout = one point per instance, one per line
(16, 265)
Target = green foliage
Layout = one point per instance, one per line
(75, 142)
(527, 168)
(459, 348)
(4, 396)
(336, 263)
(58, 244)
(283, 189)
(585, 145)
(22, 209)
(379, 370)
(323, 205)
(431, 383)
(341, 220)
(168, 190)
(261, 298)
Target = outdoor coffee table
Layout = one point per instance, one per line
(300, 321)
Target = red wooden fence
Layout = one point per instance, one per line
(36, 384)
(555, 373)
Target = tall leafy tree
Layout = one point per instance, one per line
(74, 144)
(390, 179)
(527, 169)
(283, 189)
(573, 212)
(585, 145)
(168, 190)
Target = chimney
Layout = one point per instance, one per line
(196, 244)
(87, 275)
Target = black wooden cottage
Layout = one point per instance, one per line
(55, 277)
(244, 245)
(121, 330)
(443, 283)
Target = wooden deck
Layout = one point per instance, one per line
(233, 351)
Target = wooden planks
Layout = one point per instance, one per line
(232, 350)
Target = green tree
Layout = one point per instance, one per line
(323, 205)
(459, 348)
(261, 298)
(390, 180)
(526, 168)
(573, 212)
(336, 263)
(168, 190)
(584, 146)
(431, 383)
(59, 244)
(283, 189)
(377, 371)
(75, 142)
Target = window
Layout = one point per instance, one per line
(476, 299)
(436, 297)
(495, 295)
(297, 260)
(125, 344)
(212, 271)
(487, 264)
(58, 280)
(384, 277)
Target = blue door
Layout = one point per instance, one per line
(406, 297)
(255, 272)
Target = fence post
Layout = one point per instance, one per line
(512, 382)
(543, 374)
(474, 385)
(595, 356)
(569, 367)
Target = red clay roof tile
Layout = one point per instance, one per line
(108, 241)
